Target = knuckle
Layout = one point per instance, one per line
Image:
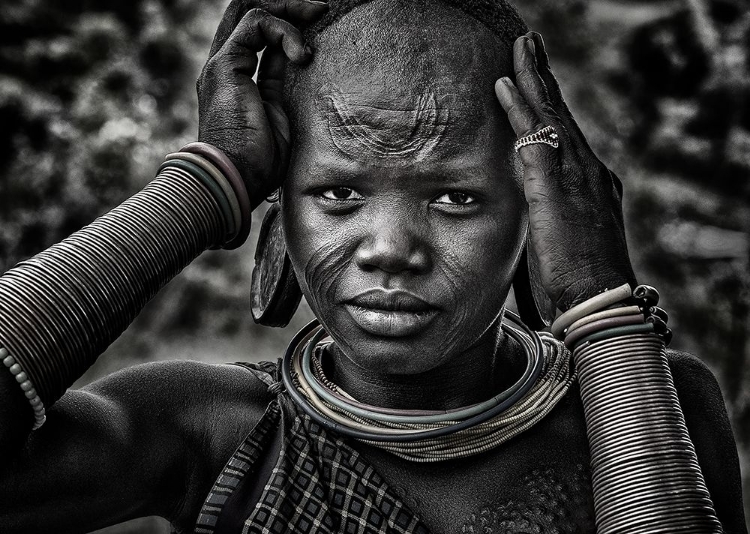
(239, 5)
(531, 130)
(513, 109)
(549, 111)
(524, 75)
(519, 114)
(209, 69)
(258, 14)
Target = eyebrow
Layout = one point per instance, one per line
(348, 172)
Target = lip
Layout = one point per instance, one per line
(390, 313)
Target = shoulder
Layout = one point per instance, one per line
(697, 387)
(688, 366)
(711, 433)
(212, 408)
(209, 408)
(700, 398)
(184, 383)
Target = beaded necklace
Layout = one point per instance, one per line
(429, 436)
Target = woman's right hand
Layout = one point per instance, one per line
(244, 119)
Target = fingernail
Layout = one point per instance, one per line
(530, 47)
(504, 88)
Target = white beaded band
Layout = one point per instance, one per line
(547, 135)
(27, 387)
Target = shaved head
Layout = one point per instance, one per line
(379, 60)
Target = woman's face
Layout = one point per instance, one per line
(403, 213)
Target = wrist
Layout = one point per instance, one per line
(233, 190)
(587, 287)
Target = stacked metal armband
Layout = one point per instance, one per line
(60, 309)
(646, 476)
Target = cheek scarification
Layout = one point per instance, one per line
(323, 272)
(388, 135)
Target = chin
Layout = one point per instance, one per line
(415, 352)
(392, 356)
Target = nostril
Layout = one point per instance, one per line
(392, 254)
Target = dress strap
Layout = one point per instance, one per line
(241, 463)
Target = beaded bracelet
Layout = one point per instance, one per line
(28, 388)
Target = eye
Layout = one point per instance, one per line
(456, 198)
(341, 193)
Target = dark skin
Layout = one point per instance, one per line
(163, 431)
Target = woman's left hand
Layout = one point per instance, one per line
(575, 201)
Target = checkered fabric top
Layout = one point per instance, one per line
(319, 483)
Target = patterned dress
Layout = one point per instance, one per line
(319, 483)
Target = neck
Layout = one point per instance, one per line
(475, 375)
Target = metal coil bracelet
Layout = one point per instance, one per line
(646, 476)
(62, 308)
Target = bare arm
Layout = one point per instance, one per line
(152, 439)
(149, 440)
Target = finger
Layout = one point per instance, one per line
(543, 67)
(271, 87)
(540, 160)
(523, 119)
(281, 130)
(294, 10)
(257, 30)
(529, 82)
(271, 75)
(553, 86)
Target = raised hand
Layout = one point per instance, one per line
(575, 201)
(238, 116)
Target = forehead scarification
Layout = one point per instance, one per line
(412, 130)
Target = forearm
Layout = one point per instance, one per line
(62, 308)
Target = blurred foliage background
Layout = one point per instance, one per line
(94, 94)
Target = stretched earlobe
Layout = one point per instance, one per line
(275, 291)
(534, 306)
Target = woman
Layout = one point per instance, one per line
(403, 220)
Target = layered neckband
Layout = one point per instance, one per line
(430, 435)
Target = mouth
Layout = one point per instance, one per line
(390, 313)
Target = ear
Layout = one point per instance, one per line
(275, 291)
(534, 306)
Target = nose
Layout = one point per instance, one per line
(393, 245)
